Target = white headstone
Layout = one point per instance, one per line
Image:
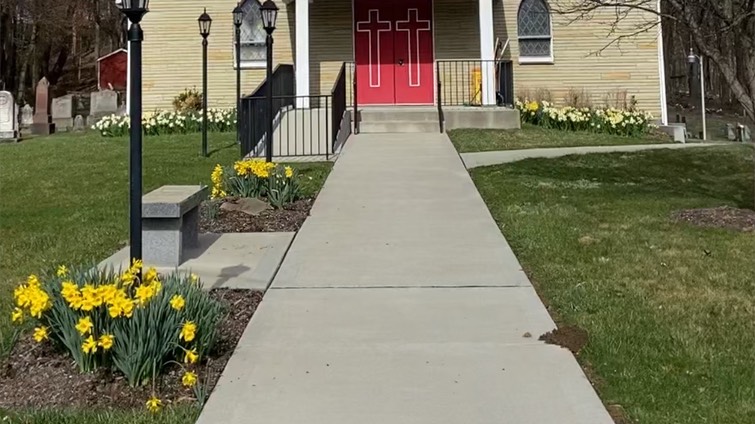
(62, 112)
(27, 116)
(8, 117)
(78, 123)
(103, 103)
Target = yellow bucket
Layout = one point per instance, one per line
(476, 87)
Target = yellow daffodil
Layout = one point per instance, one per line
(289, 172)
(194, 278)
(84, 326)
(188, 331)
(154, 404)
(136, 266)
(115, 310)
(107, 293)
(89, 346)
(32, 280)
(191, 356)
(127, 278)
(145, 292)
(150, 276)
(62, 271)
(17, 315)
(106, 341)
(40, 334)
(69, 290)
(189, 379)
(177, 302)
(33, 297)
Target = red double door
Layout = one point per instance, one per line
(393, 43)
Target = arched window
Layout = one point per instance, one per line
(253, 51)
(534, 31)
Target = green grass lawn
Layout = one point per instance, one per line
(670, 307)
(530, 137)
(65, 200)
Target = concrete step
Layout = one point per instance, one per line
(424, 114)
(373, 127)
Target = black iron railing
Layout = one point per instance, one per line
(254, 114)
(355, 100)
(341, 123)
(303, 126)
(459, 83)
(315, 125)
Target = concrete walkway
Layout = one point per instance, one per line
(401, 302)
(477, 159)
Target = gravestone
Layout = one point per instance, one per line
(42, 124)
(744, 134)
(731, 132)
(62, 113)
(27, 116)
(103, 103)
(8, 118)
(78, 123)
(81, 105)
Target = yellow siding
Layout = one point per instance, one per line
(173, 59)
(630, 67)
(330, 42)
(172, 52)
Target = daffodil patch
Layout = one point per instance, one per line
(40, 372)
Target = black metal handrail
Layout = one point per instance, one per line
(459, 83)
(341, 124)
(254, 114)
(355, 100)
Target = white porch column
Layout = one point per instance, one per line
(302, 52)
(487, 53)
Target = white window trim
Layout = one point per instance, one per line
(534, 60)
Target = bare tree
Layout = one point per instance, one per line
(45, 38)
(723, 31)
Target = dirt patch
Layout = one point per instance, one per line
(570, 337)
(618, 414)
(723, 217)
(38, 376)
(288, 219)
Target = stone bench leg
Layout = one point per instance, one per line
(190, 228)
(162, 241)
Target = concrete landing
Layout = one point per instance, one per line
(233, 261)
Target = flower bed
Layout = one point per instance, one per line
(140, 332)
(163, 122)
(613, 121)
(255, 196)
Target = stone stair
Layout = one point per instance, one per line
(380, 120)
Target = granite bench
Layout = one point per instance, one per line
(170, 223)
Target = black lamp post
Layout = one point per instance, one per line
(238, 16)
(205, 22)
(269, 12)
(135, 10)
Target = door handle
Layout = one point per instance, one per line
(401, 62)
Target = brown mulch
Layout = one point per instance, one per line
(38, 376)
(288, 219)
(570, 337)
(723, 217)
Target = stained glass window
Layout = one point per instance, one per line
(534, 29)
(253, 50)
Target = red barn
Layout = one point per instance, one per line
(112, 69)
